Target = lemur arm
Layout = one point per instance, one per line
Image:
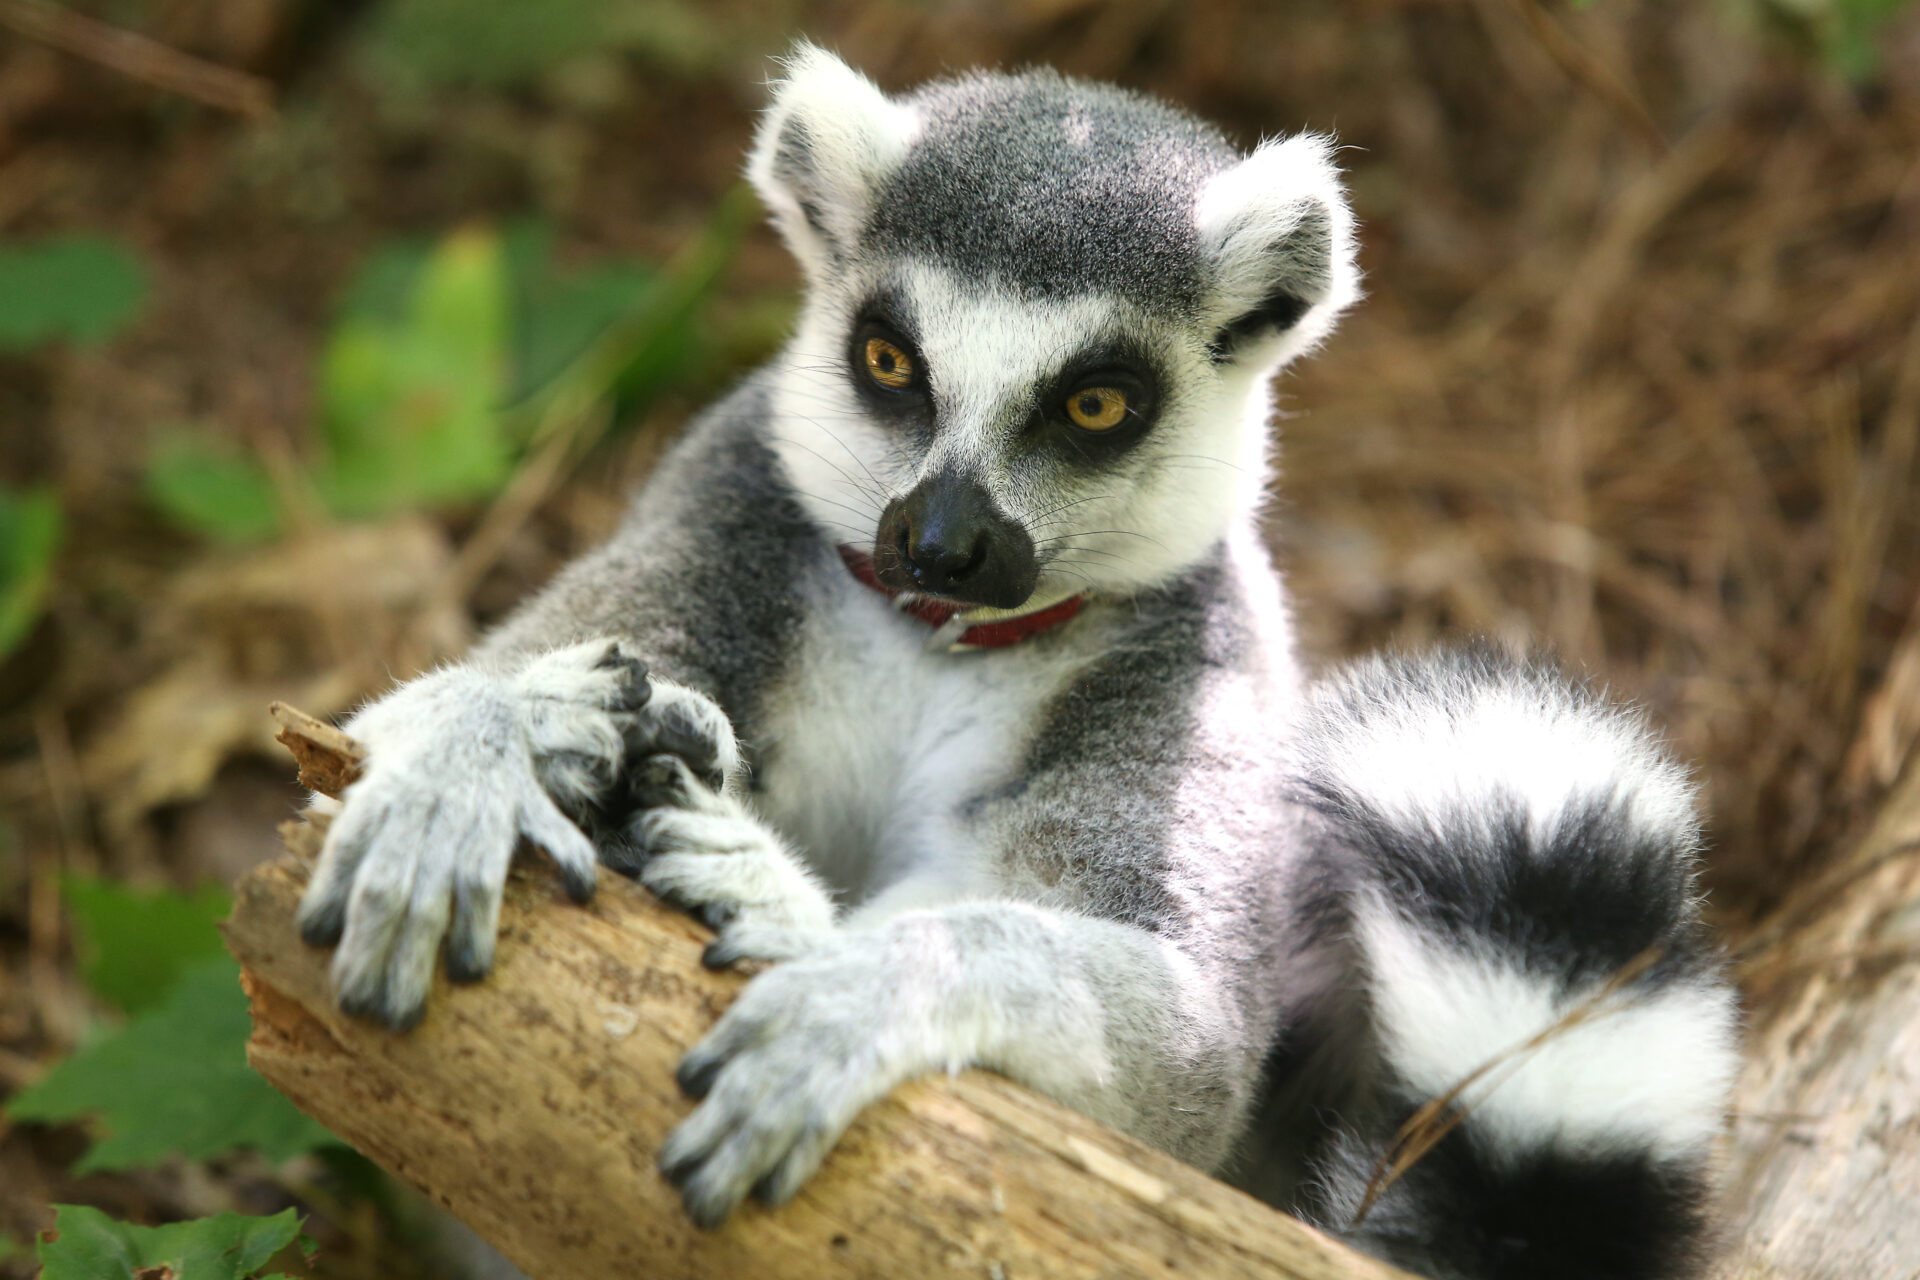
(648, 646)
(702, 579)
(1102, 1016)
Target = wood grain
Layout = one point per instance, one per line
(1825, 1159)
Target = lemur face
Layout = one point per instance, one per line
(1040, 322)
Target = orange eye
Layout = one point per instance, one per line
(1097, 408)
(888, 365)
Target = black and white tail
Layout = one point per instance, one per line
(1507, 853)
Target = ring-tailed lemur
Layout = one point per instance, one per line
(942, 662)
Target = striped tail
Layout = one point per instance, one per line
(1516, 861)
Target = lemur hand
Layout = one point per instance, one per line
(461, 765)
(706, 851)
(807, 1046)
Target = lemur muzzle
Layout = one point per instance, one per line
(947, 538)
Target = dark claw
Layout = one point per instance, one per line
(360, 1006)
(636, 688)
(635, 693)
(580, 884)
(375, 1009)
(661, 783)
(707, 1217)
(719, 954)
(676, 737)
(695, 1076)
(619, 852)
(763, 1191)
(324, 927)
(464, 963)
(679, 1171)
(718, 915)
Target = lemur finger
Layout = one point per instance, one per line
(810, 1146)
(323, 907)
(832, 1094)
(733, 1102)
(634, 689)
(416, 945)
(542, 822)
(662, 781)
(476, 924)
(577, 779)
(682, 723)
(619, 848)
(376, 910)
(762, 1134)
(737, 1031)
(750, 939)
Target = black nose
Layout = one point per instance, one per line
(947, 538)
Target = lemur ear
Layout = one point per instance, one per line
(826, 145)
(1280, 236)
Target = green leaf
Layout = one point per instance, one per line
(80, 288)
(174, 1082)
(481, 43)
(204, 485)
(29, 535)
(409, 406)
(135, 943)
(1856, 36)
(381, 286)
(88, 1245)
(561, 315)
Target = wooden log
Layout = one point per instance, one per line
(1824, 1178)
(531, 1105)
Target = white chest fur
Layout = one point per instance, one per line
(871, 744)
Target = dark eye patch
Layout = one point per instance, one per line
(881, 347)
(1088, 385)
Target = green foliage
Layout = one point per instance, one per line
(174, 1081)
(88, 1245)
(408, 403)
(416, 46)
(134, 944)
(481, 43)
(554, 314)
(559, 313)
(1848, 32)
(78, 288)
(1844, 34)
(432, 340)
(29, 536)
(204, 484)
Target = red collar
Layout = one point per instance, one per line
(956, 629)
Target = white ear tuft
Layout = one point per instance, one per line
(827, 143)
(1280, 235)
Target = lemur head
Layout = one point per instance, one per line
(1040, 322)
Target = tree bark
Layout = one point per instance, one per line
(1824, 1178)
(531, 1105)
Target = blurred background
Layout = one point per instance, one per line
(328, 328)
